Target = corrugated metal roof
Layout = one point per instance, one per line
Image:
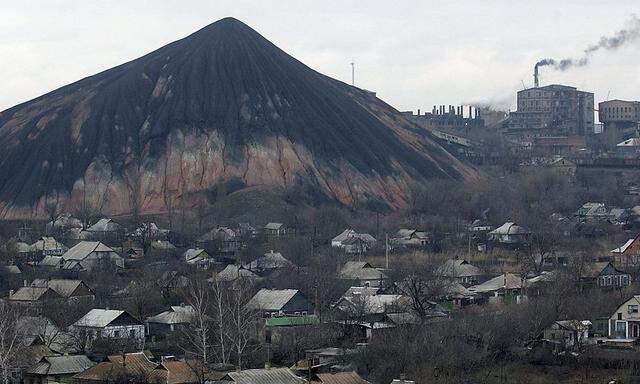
(270, 260)
(64, 287)
(232, 272)
(104, 225)
(459, 268)
(194, 255)
(341, 378)
(505, 281)
(264, 376)
(176, 315)
(271, 299)
(30, 293)
(98, 318)
(273, 226)
(84, 248)
(134, 364)
(61, 365)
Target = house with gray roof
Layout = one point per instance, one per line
(73, 290)
(57, 369)
(34, 297)
(263, 376)
(110, 324)
(280, 302)
(275, 229)
(362, 273)
(353, 242)
(460, 271)
(87, 255)
(170, 321)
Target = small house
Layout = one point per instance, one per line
(87, 255)
(603, 275)
(280, 302)
(510, 233)
(197, 256)
(74, 291)
(569, 333)
(624, 323)
(267, 375)
(268, 263)
(110, 324)
(628, 254)
(362, 273)
(49, 246)
(57, 369)
(232, 273)
(275, 229)
(170, 321)
(506, 288)
(461, 271)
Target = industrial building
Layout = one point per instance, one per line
(450, 119)
(620, 120)
(552, 110)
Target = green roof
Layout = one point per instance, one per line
(289, 321)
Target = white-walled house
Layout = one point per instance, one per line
(110, 324)
(624, 323)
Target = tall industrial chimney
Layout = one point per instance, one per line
(535, 76)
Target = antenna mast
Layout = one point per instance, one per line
(353, 73)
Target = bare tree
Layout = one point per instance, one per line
(9, 341)
(196, 337)
(242, 320)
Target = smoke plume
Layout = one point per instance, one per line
(607, 43)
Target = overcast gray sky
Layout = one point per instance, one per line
(413, 53)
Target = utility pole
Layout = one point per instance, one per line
(386, 250)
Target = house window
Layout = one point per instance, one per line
(619, 316)
(116, 334)
(632, 309)
(132, 333)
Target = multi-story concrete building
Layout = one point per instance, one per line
(552, 110)
(619, 118)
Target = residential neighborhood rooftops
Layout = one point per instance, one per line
(340, 378)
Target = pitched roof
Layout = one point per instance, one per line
(178, 372)
(99, 318)
(290, 321)
(270, 260)
(60, 365)
(623, 247)
(104, 225)
(47, 243)
(195, 254)
(264, 376)
(340, 378)
(273, 226)
(31, 293)
(271, 299)
(377, 304)
(134, 364)
(505, 281)
(84, 248)
(178, 314)
(509, 228)
(64, 287)
(459, 268)
(349, 235)
(232, 272)
(360, 270)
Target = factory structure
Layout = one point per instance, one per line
(620, 120)
(552, 110)
(453, 119)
